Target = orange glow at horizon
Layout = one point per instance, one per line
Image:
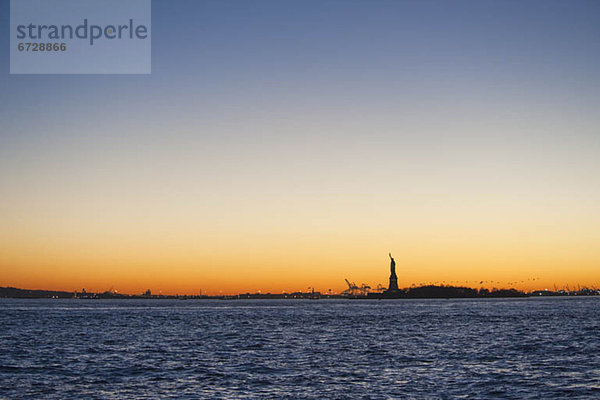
(294, 262)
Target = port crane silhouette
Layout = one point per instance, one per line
(355, 290)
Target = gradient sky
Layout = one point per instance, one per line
(279, 145)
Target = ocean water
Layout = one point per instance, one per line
(325, 349)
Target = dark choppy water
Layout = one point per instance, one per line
(126, 349)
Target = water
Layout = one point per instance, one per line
(136, 349)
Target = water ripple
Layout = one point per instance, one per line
(128, 349)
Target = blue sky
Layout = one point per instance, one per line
(342, 111)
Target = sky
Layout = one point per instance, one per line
(278, 146)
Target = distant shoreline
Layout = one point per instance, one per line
(422, 292)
